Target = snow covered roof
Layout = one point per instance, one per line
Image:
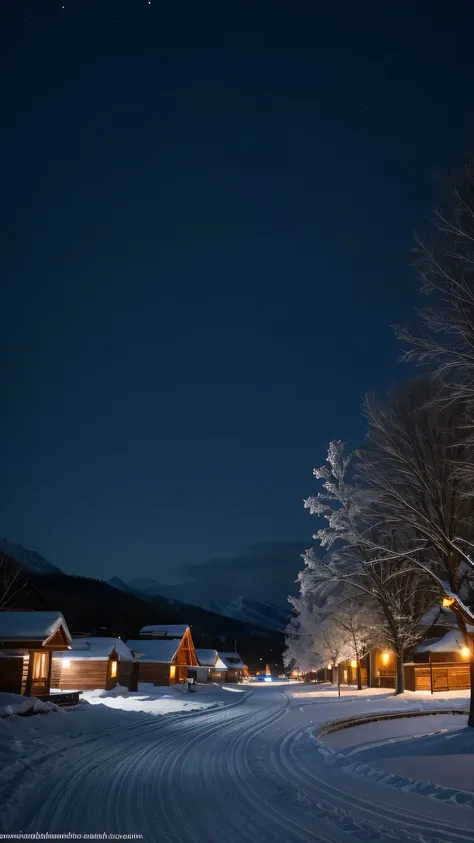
(453, 640)
(232, 661)
(96, 648)
(210, 658)
(165, 630)
(31, 626)
(155, 650)
(439, 615)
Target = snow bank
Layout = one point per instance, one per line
(154, 700)
(14, 704)
(373, 695)
(430, 755)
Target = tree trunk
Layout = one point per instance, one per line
(469, 643)
(359, 676)
(400, 681)
(470, 721)
(339, 680)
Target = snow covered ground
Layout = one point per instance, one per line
(435, 749)
(246, 771)
(158, 700)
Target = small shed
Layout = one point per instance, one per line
(445, 648)
(211, 667)
(439, 664)
(235, 667)
(163, 659)
(27, 642)
(92, 663)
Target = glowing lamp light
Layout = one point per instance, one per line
(354, 663)
(66, 663)
(447, 602)
(385, 658)
(465, 652)
(329, 666)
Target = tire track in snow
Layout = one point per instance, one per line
(222, 774)
(106, 757)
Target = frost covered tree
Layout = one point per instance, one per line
(357, 625)
(338, 629)
(444, 337)
(301, 635)
(411, 462)
(366, 556)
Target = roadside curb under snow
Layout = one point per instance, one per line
(336, 759)
(360, 720)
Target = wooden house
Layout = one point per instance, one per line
(211, 668)
(27, 642)
(165, 654)
(236, 669)
(92, 663)
(439, 664)
(381, 665)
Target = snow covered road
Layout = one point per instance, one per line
(247, 772)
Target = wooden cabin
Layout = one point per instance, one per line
(211, 668)
(382, 668)
(439, 664)
(348, 670)
(164, 654)
(236, 669)
(27, 642)
(93, 663)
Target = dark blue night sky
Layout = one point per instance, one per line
(210, 209)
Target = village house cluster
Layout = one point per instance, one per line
(440, 662)
(38, 656)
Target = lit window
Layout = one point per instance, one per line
(172, 671)
(354, 663)
(113, 669)
(40, 665)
